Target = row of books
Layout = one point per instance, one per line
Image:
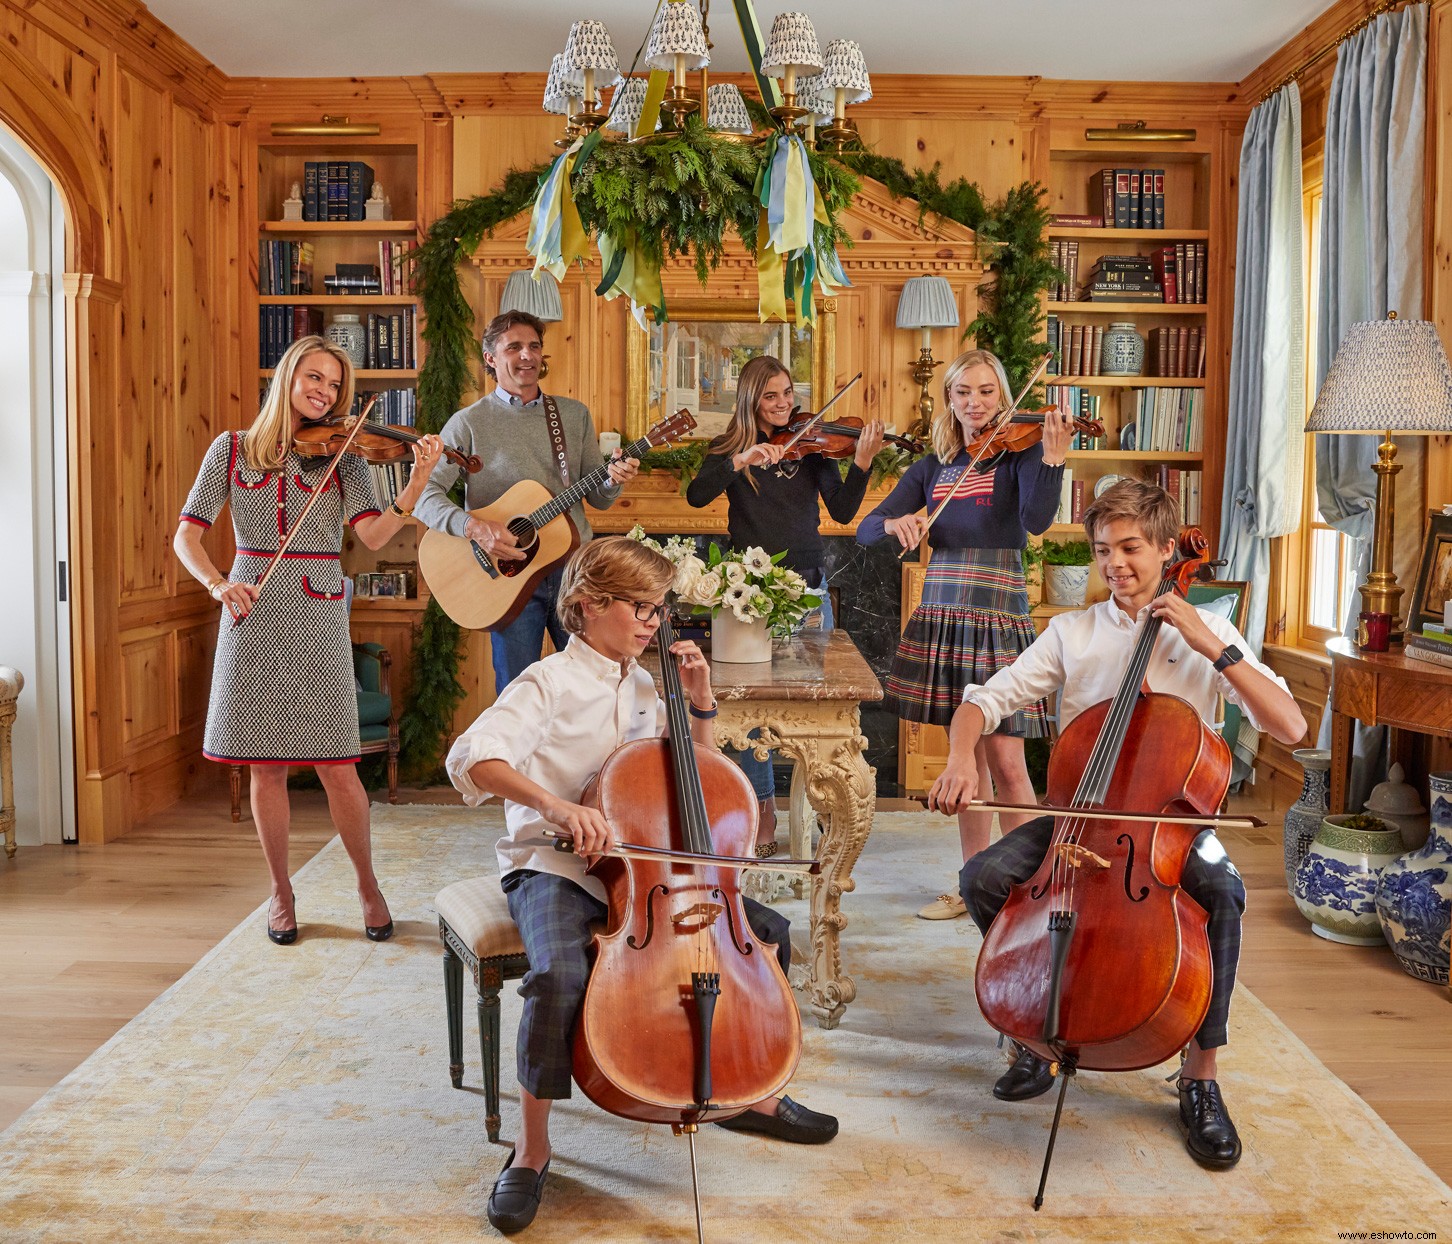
(394, 263)
(1182, 270)
(1178, 352)
(284, 267)
(336, 189)
(1165, 420)
(1168, 274)
(1434, 644)
(1185, 487)
(398, 407)
(1080, 402)
(391, 340)
(279, 326)
(1130, 198)
(1071, 499)
(1064, 252)
(1075, 347)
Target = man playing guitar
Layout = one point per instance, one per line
(510, 430)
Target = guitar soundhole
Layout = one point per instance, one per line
(528, 539)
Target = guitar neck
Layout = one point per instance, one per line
(560, 503)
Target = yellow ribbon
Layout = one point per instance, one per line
(770, 278)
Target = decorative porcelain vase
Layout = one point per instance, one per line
(1122, 351)
(739, 642)
(345, 330)
(1414, 896)
(1396, 803)
(1303, 818)
(1336, 882)
(1065, 585)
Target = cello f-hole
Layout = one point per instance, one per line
(649, 918)
(744, 948)
(1127, 841)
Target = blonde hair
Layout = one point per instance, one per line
(740, 433)
(610, 568)
(1148, 506)
(947, 432)
(266, 443)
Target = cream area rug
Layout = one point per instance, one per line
(301, 1093)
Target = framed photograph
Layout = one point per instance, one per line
(384, 584)
(692, 361)
(363, 584)
(405, 576)
(1433, 587)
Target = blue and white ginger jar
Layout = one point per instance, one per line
(1336, 882)
(1414, 896)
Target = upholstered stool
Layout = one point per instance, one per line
(476, 928)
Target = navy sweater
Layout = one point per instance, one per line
(995, 510)
(781, 513)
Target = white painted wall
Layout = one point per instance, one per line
(34, 635)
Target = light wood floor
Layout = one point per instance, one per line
(90, 935)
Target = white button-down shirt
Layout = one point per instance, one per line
(1084, 656)
(556, 724)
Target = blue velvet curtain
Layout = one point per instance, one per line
(1371, 263)
(1264, 441)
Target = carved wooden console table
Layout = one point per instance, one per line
(805, 703)
(1384, 689)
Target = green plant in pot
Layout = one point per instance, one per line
(1066, 571)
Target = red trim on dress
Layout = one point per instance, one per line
(234, 470)
(365, 514)
(250, 760)
(200, 522)
(285, 556)
(308, 588)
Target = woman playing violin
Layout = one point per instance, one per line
(1083, 656)
(776, 509)
(974, 616)
(282, 680)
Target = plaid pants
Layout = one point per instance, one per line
(1209, 878)
(554, 917)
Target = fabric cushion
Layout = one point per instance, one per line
(373, 708)
(478, 913)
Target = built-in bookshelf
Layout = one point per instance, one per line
(306, 272)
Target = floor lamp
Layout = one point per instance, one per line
(1388, 376)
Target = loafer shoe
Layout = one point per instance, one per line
(791, 1122)
(1030, 1076)
(1210, 1136)
(514, 1200)
(944, 907)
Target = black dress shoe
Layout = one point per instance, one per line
(791, 1122)
(282, 937)
(379, 932)
(1030, 1076)
(1210, 1136)
(515, 1199)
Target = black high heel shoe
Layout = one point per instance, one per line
(379, 932)
(282, 937)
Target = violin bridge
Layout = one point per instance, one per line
(1076, 856)
(702, 913)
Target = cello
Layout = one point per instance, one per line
(687, 1017)
(1100, 961)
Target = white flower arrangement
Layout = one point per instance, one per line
(753, 584)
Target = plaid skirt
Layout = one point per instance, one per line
(972, 622)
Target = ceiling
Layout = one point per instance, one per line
(1097, 40)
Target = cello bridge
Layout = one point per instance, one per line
(703, 914)
(1076, 856)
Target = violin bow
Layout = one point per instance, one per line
(237, 619)
(812, 422)
(1222, 820)
(743, 863)
(1001, 420)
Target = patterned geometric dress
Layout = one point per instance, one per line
(282, 681)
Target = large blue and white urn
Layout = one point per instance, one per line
(1414, 896)
(1336, 882)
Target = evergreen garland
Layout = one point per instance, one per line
(659, 192)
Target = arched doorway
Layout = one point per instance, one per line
(34, 557)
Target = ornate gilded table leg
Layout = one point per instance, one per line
(825, 740)
(11, 684)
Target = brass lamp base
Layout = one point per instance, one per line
(923, 376)
(1381, 593)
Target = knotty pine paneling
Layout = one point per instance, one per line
(148, 690)
(194, 648)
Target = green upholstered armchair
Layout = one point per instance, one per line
(377, 718)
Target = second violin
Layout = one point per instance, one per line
(375, 442)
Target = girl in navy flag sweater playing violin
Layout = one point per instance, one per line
(973, 619)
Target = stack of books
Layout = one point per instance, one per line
(1433, 644)
(1122, 278)
(354, 278)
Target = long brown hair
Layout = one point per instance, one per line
(750, 385)
(265, 444)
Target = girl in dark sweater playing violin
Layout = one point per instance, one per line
(973, 619)
(777, 509)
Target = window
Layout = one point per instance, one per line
(1326, 583)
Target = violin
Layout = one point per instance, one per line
(375, 442)
(804, 435)
(1100, 961)
(1020, 431)
(687, 1017)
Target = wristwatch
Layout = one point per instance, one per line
(1229, 657)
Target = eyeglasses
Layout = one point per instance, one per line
(644, 610)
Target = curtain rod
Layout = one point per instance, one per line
(1383, 7)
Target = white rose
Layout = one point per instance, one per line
(706, 590)
(688, 571)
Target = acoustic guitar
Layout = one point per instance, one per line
(481, 594)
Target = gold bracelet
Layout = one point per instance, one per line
(219, 581)
(398, 509)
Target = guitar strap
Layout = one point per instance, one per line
(557, 436)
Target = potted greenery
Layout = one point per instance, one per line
(1066, 571)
